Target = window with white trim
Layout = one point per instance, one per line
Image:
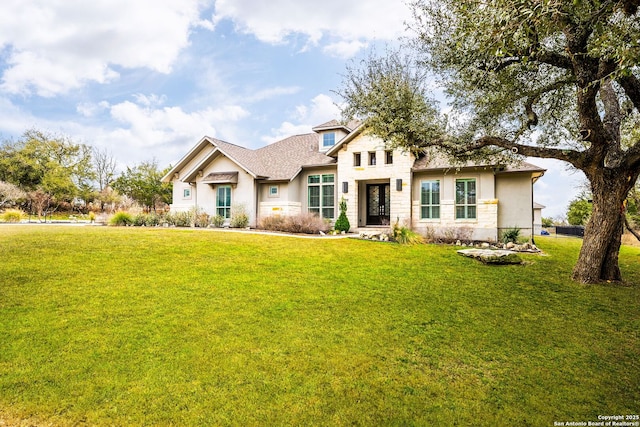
(430, 199)
(328, 139)
(466, 198)
(274, 191)
(223, 201)
(186, 193)
(321, 195)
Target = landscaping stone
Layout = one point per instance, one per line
(490, 256)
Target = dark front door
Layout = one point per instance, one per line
(378, 204)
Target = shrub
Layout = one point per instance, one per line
(153, 220)
(510, 235)
(404, 235)
(239, 217)
(453, 234)
(272, 223)
(342, 223)
(121, 219)
(430, 235)
(180, 219)
(201, 219)
(307, 223)
(218, 221)
(12, 215)
(140, 220)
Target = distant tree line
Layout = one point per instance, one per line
(42, 173)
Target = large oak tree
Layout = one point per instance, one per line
(541, 78)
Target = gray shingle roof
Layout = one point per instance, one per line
(284, 159)
(279, 161)
(439, 161)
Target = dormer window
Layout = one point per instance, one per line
(328, 139)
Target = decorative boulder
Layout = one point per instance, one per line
(496, 257)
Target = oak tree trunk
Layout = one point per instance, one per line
(598, 259)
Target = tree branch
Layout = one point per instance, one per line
(576, 158)
(555, 59)
(631, 230)
(631, 86)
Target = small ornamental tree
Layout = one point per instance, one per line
(342, 223)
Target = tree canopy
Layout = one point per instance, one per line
(50, 168)
(143, 184)
(549, 78)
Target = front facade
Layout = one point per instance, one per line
(313, 172)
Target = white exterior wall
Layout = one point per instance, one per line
(284, 203)
(357, 177)
(485, 225)
(515, 194)
(242, 193)
(180, 203)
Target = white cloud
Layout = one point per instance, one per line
(53, 47)
(346, 24)
(344, 49)
(153, 127)
(305, 117)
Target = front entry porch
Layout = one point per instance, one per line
(378, 204)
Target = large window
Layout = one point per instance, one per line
(465, 198)
(321, 192)
(328, 139)
(223, 201)
(430, 200)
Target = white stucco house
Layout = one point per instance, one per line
(312, 172)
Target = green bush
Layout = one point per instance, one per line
(239, 217)
(511, 235)
(121, 219)
(180, 219)
(140, 220)
(218, 221)
(12, 215)
(342, 223)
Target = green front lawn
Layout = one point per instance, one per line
(123, 326)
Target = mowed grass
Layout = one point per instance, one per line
(123, 326)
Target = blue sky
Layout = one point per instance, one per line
(147, 79)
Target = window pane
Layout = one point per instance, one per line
(327, 196)
(460, 212)
(328, 139)
(327, 213)
(460, 192)
(314, 197)
(314, 179)
(435, 212)
(356, 159)
(471, 211)
(471, 192)
(327, 178)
